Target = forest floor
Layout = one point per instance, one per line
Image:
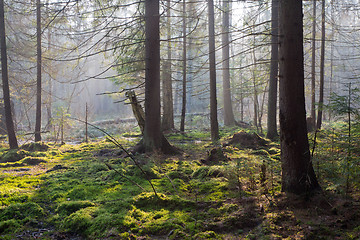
(93, 191)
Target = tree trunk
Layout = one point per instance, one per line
(183, 108)
(322, 62)
(49, 101)
(229, 119)
(168, 107)
(298, 175)
(274, 68)
(5, 82)
(313, 73)
(38, 67)
(212, 69)
(153, 139)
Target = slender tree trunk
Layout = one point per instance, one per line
(298, 175)
(256, 102)
(168, 106)
(229, 119)
(49, 102)
(313, 73)
(5, 82)
(274, 69)
(331, 54)
(322, 63)
(183, 108)
(38, 67)
(212, 69)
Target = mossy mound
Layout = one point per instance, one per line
(35, 147)
(216, 156)
(33, 161)
(247, 140)
(13, 156)
(21, 211)
(67, 208)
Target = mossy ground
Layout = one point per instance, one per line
(88, 191)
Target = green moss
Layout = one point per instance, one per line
(261, 152)
(201, 172)
(9, 226)
(33, 161)
(21, 211)
(67, 208)
(35, 147)
(79, 221)
(13, 156)
(207, 235)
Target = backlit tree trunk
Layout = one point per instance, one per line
(313, 74)
(273, 83)
(38, 67)
(183, 108)
(5, 82)
(298, 175)
(168, 107)
(212, 70)
(322, 73)
(229, 119)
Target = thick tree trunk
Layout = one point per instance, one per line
(168, 107)
(229, 119)
(5, 82)
(38, 67)
(183, 108)
(313, 73)
(152, 131)
(298, 175)
(322, 73)
(274, 69)
(153, 139)
(212, 69)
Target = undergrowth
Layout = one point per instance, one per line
(87, 191)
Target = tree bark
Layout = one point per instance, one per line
(212, 69)
(274, 69)
(298, 175)
(38, 67)
(313, 73)
(168, 107)
(322, 73)
(229, 119)
(5, 82)
(183, 108)
(137, 110)
(153, 139)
